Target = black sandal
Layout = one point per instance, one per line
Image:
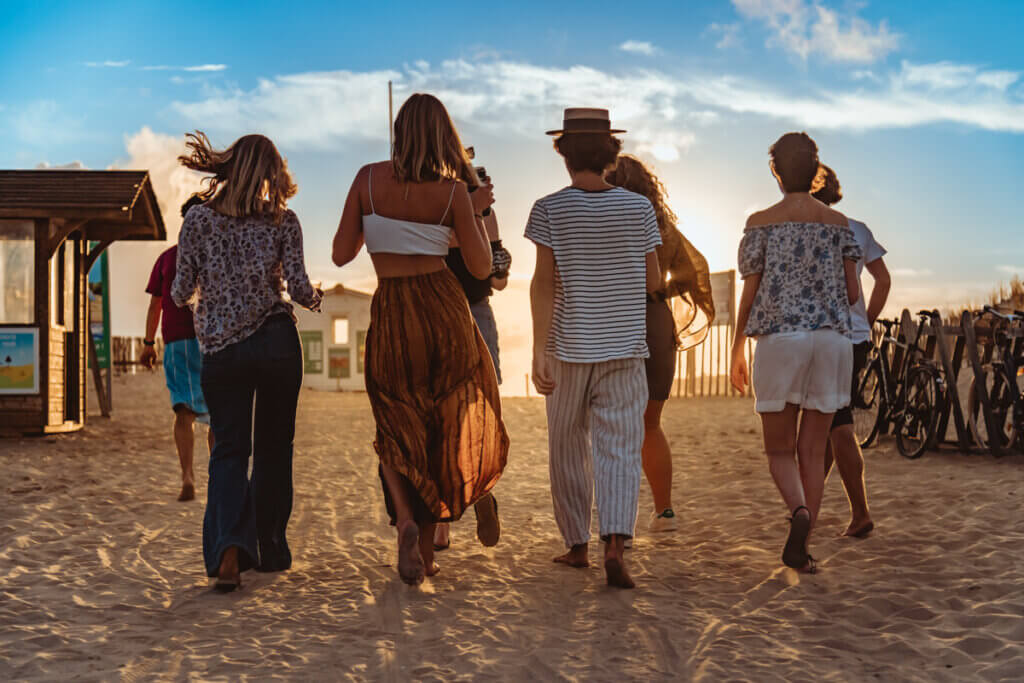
(488, 524)
(795, 553)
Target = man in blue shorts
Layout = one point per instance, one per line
(182, 362)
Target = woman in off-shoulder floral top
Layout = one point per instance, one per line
(798, 263)
(237, 255)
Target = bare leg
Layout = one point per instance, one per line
(780, 446)
(184, 439)
(410, 560)
(829, 460)
(810, 449)
(850, 462)
(615, 563)
(657, 457)
(780, 432)
(578, 557)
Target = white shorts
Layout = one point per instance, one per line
(808, 369)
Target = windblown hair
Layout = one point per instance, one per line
(427, 145)
(632, 174)
(594, 152)
(795, 162)
(830, 191)
(249, 177)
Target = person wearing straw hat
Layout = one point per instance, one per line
(596, 261)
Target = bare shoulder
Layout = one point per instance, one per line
(832, 217)
(759, 218)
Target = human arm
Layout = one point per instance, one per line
(740, 375)
(655, 281)
(470, 230)
(542, 306)
(293, 264)
(148, 357)
(500, 258)
(879, 290)
(852, 286)
(186, 278)
(348, 241)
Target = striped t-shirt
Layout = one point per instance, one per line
(600, 241)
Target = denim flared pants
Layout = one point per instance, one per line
(252, 389)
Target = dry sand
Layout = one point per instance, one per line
(101, 575)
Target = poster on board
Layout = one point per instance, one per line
(19, 360)
(339, 363)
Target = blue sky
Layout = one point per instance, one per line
(919, 106)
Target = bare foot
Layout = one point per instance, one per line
(615, 564)
(228, 576)
(433, 569)
(188, 491)
(410, 562)
(577, 557)
(859, 528)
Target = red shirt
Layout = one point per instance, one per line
(176, 323)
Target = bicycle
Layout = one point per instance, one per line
(907, 396)
(1003, 382)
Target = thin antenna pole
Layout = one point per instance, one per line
(391, 121)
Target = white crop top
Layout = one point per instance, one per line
(396, 236)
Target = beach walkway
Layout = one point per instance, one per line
(101, 572)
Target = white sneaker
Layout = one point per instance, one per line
(664, 521)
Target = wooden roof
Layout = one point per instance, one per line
(117, 205)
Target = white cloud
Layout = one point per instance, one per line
(950, 76)
(197, 67)
(42, 123)
(207, 67)
(327, 108)
(809, 28)
(640, 47)
(660, 111)
(1010, 270)
(70, 166)
(729, 35)
(108, 63)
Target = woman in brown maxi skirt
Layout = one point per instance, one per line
(440, 438)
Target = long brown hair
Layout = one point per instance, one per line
(427, 145)
(632, 174)
(249, 177)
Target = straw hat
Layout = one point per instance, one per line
(583, 120)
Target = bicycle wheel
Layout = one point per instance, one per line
(1000, 400)
(917, 421)
(867, 405)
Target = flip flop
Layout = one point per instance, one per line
(795, 553)
(488, 525)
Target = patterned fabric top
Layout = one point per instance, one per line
(600, 242)
(233, 272)
(803, 285)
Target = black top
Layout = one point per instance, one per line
(476, 290)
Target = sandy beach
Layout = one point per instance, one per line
(101, 573)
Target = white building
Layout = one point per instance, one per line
(334, 341)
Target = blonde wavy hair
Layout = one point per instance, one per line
(426, 144)
(249, 177)
(632, 174)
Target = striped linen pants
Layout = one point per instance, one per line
(595, 431)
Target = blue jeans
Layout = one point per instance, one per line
(252, 514)
(483, 315)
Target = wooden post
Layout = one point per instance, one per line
(981, 390)
(527, 385)
(952, 371)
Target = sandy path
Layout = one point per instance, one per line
(101, 573)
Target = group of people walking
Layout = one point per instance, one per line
(615, 287)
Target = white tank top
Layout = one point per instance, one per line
(383, 235)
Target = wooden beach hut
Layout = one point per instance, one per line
(53, 226)
(334, 341)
